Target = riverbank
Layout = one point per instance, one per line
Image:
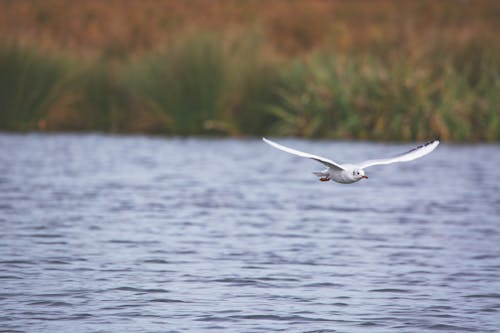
(433, 71)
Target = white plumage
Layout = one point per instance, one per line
(350, 173)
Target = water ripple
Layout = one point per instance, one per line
(135, 234)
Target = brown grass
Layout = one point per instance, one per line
(378, 69)
(117, 28)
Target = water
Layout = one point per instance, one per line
(138, 234)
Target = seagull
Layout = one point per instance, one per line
(351, 173)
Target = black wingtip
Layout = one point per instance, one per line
(429, 142)
(422, 146)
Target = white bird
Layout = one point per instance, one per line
(351, 173)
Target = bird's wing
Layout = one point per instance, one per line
(410, 155)
(325, 161)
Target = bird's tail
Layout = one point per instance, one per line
(321, 173)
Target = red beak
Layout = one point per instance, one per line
(365, 177)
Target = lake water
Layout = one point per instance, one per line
(143, 234)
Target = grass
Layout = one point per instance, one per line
(367, 97)
(205, 86)
(378, 70)
(202, 85)
(184, 83)
(30, 82)
(99, 99)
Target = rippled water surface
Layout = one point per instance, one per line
(138, 234)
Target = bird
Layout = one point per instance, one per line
(351, 173)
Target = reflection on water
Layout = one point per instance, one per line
(136, 234)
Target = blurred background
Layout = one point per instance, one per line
(174, 231)
(368, 70)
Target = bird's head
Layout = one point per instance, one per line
(359, 174)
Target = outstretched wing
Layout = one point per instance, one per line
(325, 161)
(410, 155)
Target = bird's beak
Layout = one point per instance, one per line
(365, 177)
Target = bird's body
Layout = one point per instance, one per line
(343, 176)
(351, 173)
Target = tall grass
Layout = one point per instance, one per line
(207, 84)
(369, 97)
(381, 69)
(98, 99)
(30, 82)
(211, 83)
(185, 83)
(117, 28)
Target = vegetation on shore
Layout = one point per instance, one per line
(387, 85)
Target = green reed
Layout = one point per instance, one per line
(184, 82)
(400, 98)
(207, 83)
(30, 82)
(100, 99)
(203, 84)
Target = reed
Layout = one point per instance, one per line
(400, 98)
(184, 82)
(220, 83)
(206, 84)
(30, 82)
(100, 99)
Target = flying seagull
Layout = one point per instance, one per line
(351, 173)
